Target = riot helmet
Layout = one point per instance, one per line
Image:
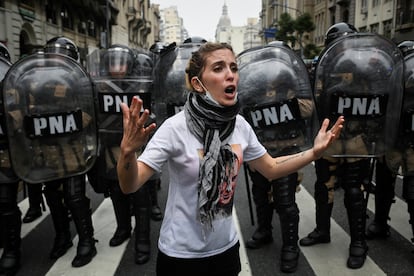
(157, 47)
(278, 43)
(119, 60)
(406, 47)
(338, 30)
(144, 65)
(4, 52)
(195, 39)
(62, 45)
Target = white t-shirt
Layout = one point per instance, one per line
(182, 235)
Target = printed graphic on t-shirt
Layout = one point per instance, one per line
(228, 186)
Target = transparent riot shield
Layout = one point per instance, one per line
(7, 174)
(4, 67)
(276, 98)
(117, 80)
(360, 77)
(50, 118)
(170, 90)
(119, 74)
(400, 158)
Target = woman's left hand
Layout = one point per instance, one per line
(325, 138)
(135, 132)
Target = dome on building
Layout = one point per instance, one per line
(224, 19)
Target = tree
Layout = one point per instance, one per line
(292, 31)
(303, 24)
(286, 29)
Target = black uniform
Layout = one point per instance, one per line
(49, 102)
(356, 74)
(129, 73)
(399, 160)
(10, 215)
(275, 90)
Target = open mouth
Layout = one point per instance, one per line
(230, 89)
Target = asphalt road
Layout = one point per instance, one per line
(386, 257)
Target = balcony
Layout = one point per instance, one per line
(342, 2)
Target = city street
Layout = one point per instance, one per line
(387, 257)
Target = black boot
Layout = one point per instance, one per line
(264, 212)
(82, 217)
(156, 213)
(121, 203)
(142, 225)
(35, 202)
(358, 247)
(284, 190)
(384, 197)
(355, 204)
(408, 195)
(324, 189)
(10, 259)
(58, 211)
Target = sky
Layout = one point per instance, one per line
(202, 16)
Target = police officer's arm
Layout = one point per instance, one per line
(273, 168)
(132, 174)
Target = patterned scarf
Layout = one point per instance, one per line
(212, 125)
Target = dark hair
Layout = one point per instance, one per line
(195, 65)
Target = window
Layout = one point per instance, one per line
(51, 13)
(376, 3)
(67, 18)
(29, 3)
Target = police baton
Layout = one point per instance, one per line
(369, 182)
(249, 197)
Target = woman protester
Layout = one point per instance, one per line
(203, 146)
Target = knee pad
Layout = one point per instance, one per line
(288, 211)
(355, 173)
(74, 188)
(284, 190)
(324, 170)
(353, 196)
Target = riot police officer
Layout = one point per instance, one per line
(349, 161)
(324, 168)
(10, 214)
(129, 73)
(69, 193)
(398, 160)
(272, 79)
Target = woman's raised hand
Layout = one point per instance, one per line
(326, 137)
(135, 132)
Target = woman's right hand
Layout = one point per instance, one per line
(135, 133)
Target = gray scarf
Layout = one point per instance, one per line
(212, 125)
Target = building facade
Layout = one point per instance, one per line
(172, 26)
(393, 19)
(240, 37)
(26, 25)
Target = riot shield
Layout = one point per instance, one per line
(400, 158)
(360, 77)
(170, 90)
(7, 174)
(118, 77)
(4, 67)
(276, 98)
(50, 118)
